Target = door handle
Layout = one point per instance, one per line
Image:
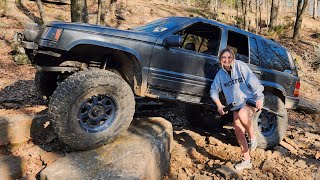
(257, 72)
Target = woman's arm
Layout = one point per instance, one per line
(214, 93)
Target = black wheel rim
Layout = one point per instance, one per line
(97, 113)
(267, 123)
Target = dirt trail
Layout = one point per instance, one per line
(197, 154)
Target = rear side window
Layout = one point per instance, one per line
(275, 57)
(239, 44)
(254, 53)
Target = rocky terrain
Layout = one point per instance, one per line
(197, 153)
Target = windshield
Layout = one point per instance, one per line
(157, 26)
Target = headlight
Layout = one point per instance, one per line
(53, 34)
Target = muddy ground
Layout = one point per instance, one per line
(198, 153)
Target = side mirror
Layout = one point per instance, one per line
(172, 41)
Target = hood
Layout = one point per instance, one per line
(96, 29)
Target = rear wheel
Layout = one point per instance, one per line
(91, 108)
(269, 128)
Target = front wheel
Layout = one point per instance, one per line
(91, 108)
(269, 128)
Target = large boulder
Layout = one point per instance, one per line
(143, 152)
(16, 129)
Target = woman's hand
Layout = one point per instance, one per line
(220, 110)
(259, 104)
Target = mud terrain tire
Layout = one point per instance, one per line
(269, 128)
(46, 83)
(91, 108)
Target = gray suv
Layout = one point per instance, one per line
(92, 73)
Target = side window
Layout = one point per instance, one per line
(254, 53)
(201, 37)
(239, 44)
(275, 57)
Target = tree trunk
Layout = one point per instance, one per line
(79, 11)
(113, 11)
(260, 19)
(315, 9)
(188, 3)
(216, 8)
(301, 7)
(267, 7)
(274, 14)
(99, 12)
(101, 20)
(211, 6)
(257, 17)
(42, 12)
(245, 9)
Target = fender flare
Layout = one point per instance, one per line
(274, 86)
(103, 44)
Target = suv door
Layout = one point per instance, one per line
(187, 69)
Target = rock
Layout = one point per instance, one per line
(50, 157)
(289, 160)
(312, 136)
(301, 164)
(196, 156)
(200, 166)
(269, 154)
(16, 129)
(214, 141)
(229, 164)
(317, 155)
(187, 171)
(291, 142)
(276, 154)
(210, 163)
(259, 153)
(289, 147)
(270, 175)
(228, 172)
(21, 59)
(141, 153)
(268, 165)
(316, 118)
(10, 167)
(201, 177)
(282, 150)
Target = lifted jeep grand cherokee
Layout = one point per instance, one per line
(92, 73)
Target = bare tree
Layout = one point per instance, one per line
(315, 9)
(41, 10)
(301, 7)
(102, 7)
(245, 8)
(274, 14)
(113, 10)
(257, 16)
(188, 3)
(79, 11)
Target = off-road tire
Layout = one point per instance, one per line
(69, 97)
(274, 126)
(46, 83)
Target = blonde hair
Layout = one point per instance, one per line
(229, 50)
